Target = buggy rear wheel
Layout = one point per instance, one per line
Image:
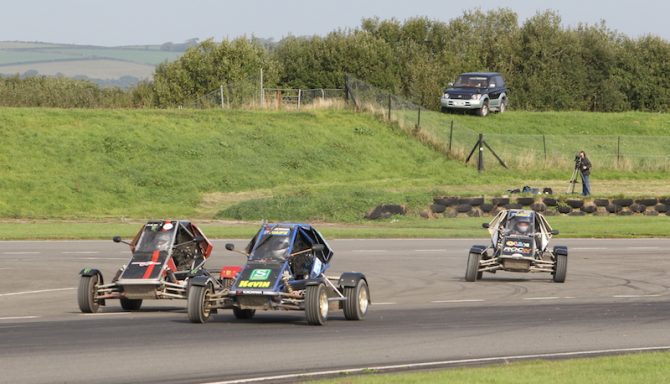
(561, 268)
(316, 304)
(243, 313)
(88, 287)
(198, 306)
(131, 304)
(358, 299)
(472, 267)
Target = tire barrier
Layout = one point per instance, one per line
(455, 206)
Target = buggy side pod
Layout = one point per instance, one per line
(91, 272)
(200, 281)
(351, 279)
(561, 250)
(479, 249)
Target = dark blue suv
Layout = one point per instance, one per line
(482, 92)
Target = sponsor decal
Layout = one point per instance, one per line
(260, 274)
(145, 263)
(253, 284)
(277, 231)
(512, 243)
(168, 226)
(516, 250)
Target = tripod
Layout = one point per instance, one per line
(573, 180)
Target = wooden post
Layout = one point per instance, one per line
(544, 144)
(451, 134)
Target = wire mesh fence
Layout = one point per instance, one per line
(621, 152)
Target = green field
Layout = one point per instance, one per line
(615, 142)
(626, 369)
(323, 165)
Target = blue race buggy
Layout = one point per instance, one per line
(519, 243)
(285, 270)
(165, 255)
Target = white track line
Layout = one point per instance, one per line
(642, 248)
(79, 252)
(105, 314)
(20, 253)
(458, 301)
(542, 298)
(384, 303)
(634, 296)
(102, 258)
(19, 317)
(431, 250)
(40, 291)
(445, 363)
(589, 248)
(369, 251)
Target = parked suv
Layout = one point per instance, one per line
(482, 92)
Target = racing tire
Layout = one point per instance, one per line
(472, 267)
(88, 286)
(358, 300)
(484, 110)
(561, 268)
(316, 304)
(131, 304)
(479, 275)
(243, 314)
(197, 306)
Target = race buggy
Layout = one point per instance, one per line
(284, 271)
(519, 240)
(165, 255)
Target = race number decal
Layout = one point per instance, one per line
(260, 274)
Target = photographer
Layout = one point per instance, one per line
(584, 165)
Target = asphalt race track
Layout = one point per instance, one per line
(616, 296)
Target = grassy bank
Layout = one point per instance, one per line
(634, 368)
(324, 165)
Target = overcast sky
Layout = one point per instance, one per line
(126, 22)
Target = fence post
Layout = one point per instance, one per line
(418, 120)
(262, 98)
(544, 144)
(618, 150)
(389, 107)
(221, 93)
(451, 135)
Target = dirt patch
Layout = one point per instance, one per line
(213, 202)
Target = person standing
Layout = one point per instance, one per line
(585, 170)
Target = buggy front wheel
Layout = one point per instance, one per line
(471, 270)
(561, 268)
(198, 306)
(358, 299)
(316, 304)
(88, 287)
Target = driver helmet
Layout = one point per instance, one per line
(280, 250)
(522, 224)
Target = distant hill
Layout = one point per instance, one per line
(107, 66)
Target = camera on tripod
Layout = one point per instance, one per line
(578, 161)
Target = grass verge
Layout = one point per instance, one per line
(634, 368)
(399, 227)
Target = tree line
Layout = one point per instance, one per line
(547, 66)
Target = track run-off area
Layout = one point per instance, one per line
(423, 313)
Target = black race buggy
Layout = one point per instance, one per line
(165, 255)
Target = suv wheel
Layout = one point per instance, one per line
(484, 110)
(503, 106)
